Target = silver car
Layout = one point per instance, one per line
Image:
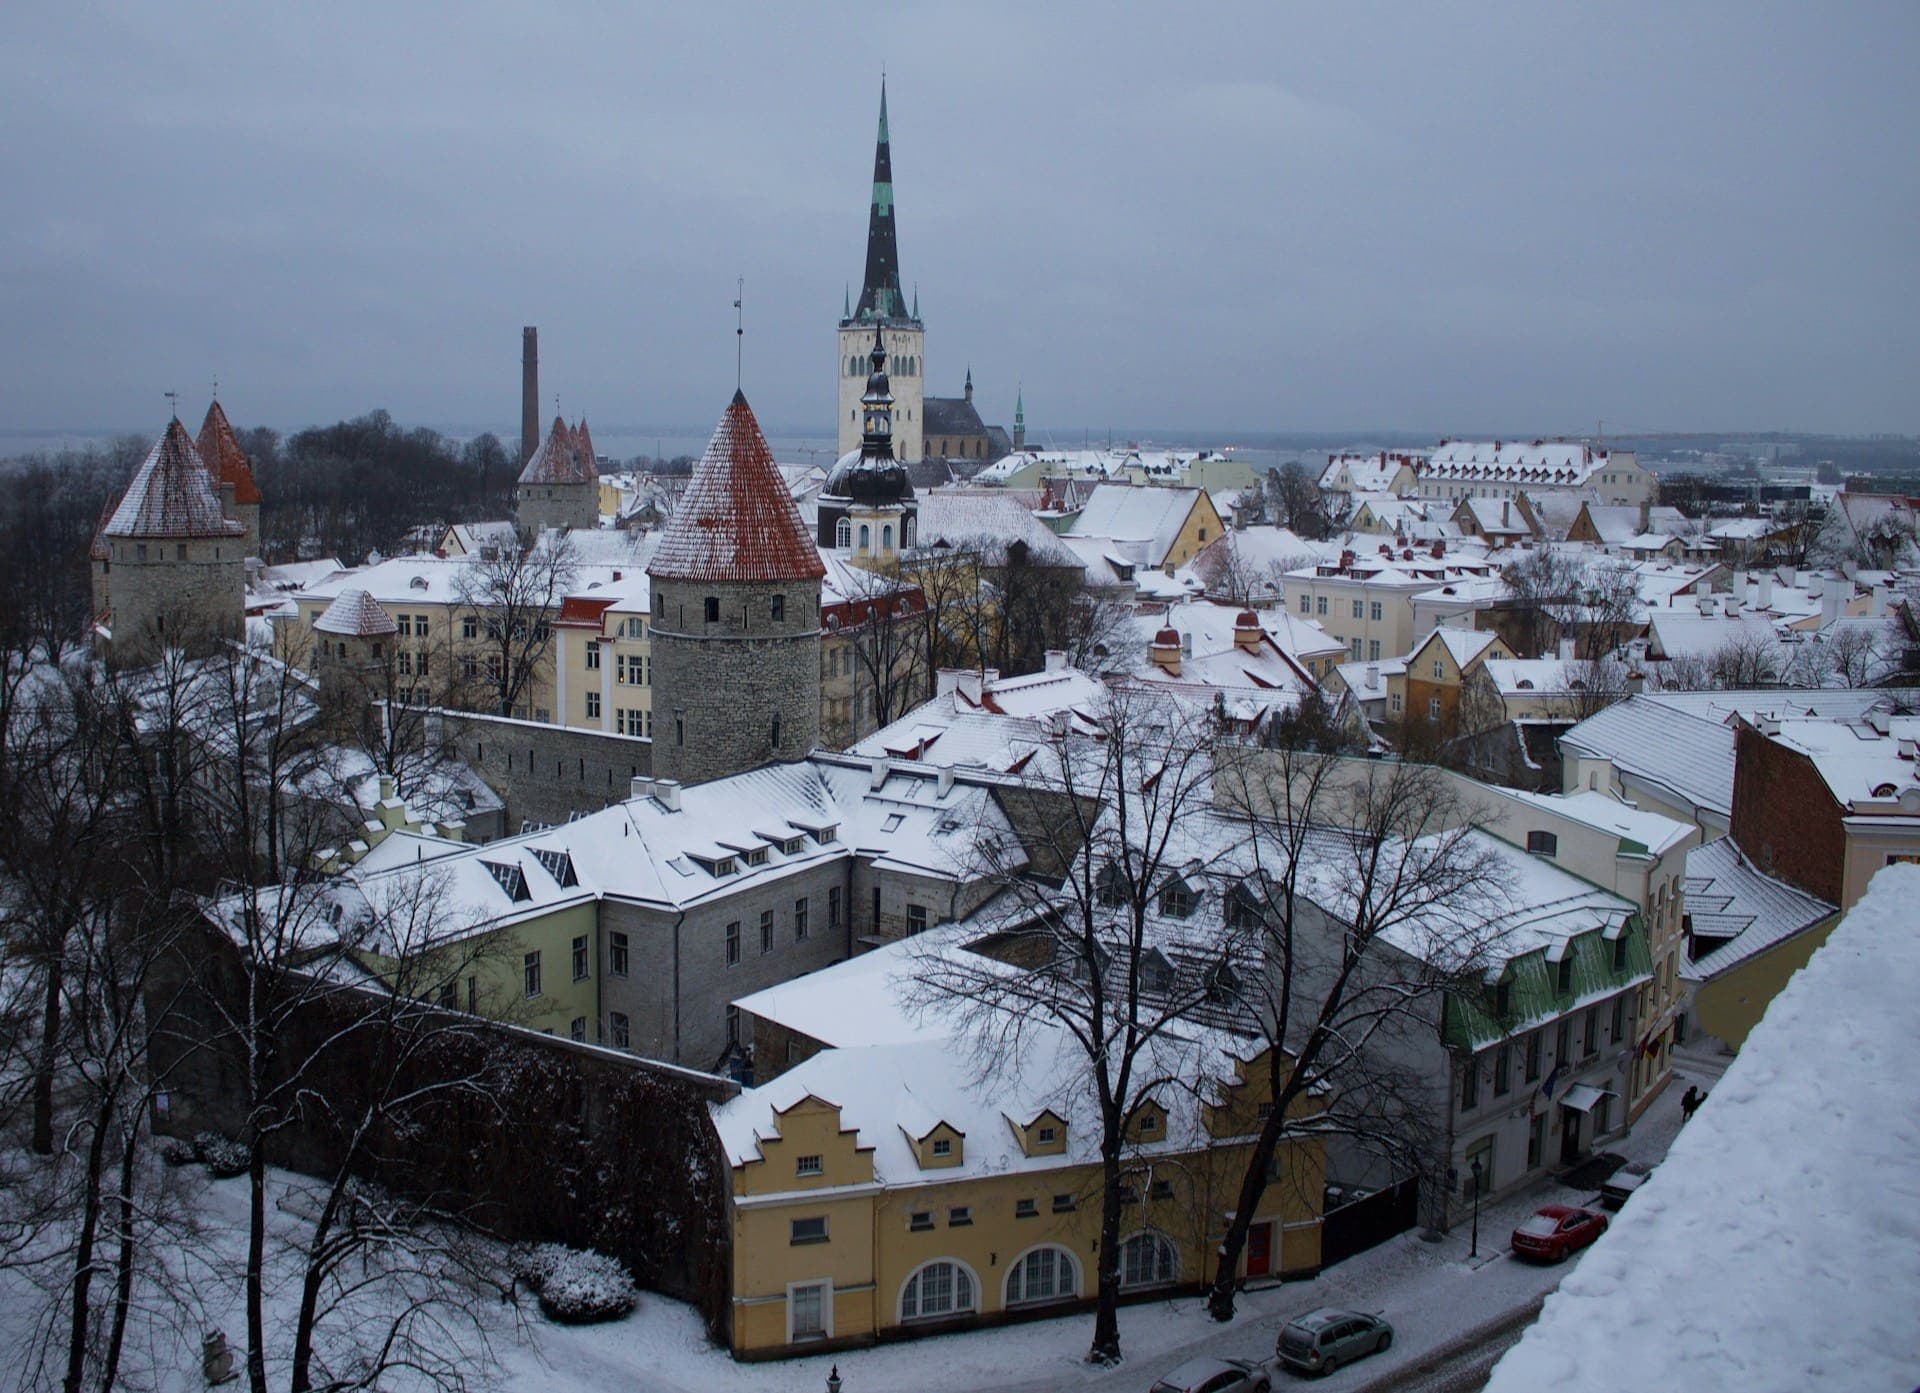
(1216, 1376)
(1321, 1341)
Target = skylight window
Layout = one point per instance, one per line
(557, 864)
(892, 824)
(510, 878)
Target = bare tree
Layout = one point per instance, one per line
(1746, 660)
(1372, 893)
(1542, 584)
(888, 642)
(1107, 857)
(1295, 501)
(513, 590)
(1856, 655)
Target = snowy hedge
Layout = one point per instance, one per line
(222, 1155)
(177, 1152)
(576, 1286)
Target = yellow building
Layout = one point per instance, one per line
(880, 1190)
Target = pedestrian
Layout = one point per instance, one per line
(1690, 1102)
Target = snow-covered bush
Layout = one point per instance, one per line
(575, 1286)
(176, 1151)
(222, 1155)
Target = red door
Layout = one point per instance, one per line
(1259, 1250)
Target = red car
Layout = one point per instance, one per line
(1556, 1230)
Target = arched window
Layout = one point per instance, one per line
(906, 532)
(940, 1288)
(886, 537)
(1043, 1274)
(866, 537)
(1148, 1260)
(843, 533)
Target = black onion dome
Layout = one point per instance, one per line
(874, 481)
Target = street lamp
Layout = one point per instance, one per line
(1473, 1250)
(833, 1380)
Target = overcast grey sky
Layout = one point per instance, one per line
(1275, 216)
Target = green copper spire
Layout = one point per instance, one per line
(880, 295)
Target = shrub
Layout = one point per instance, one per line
(176, 1151)
(222, 1155)
(576, 1287)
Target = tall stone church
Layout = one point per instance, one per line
(923, 427)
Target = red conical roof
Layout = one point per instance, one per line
(564, 457)
(172, 495)
(736, 521)
(220, 451)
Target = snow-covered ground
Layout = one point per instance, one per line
(1432, 1292)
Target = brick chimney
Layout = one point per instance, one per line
(529, 392)
(1246, 630)
(1164, 652)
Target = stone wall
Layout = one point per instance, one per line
(1784, 817)
(536, 506)
(544, 773)
(166, 591)
(719, 686)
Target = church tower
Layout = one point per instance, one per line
(866, 508)
(736, 616)
(883, 306)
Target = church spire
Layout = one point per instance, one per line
(1019, 416)
(876, 443)
(880, 293)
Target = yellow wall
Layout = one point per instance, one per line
(1203, 525)
(495, 960)
(1730, 1005)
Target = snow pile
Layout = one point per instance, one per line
(1778, 1246)
(221, 1155)
(576, 1286)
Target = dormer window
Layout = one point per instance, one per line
(1156, 973)
(1503, 998)
(1543, 843)
(1176, 901)
(757, 856)
(792, 846)
(943, 1146)
(1110, 885)
(1563, 978)
(1620, 953)
(1047, 1135)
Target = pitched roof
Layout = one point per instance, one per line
(356, 614)
(564, 457)
(736, 520)
(1143, 520)
(950, 416)
(220, 451)
(1731, 902)
(1689, 755)
(172, 495)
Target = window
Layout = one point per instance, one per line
(1563, 1042)
(1320, 606)
(1064, 1204)
(1149, 1123)
(733, 1025)
(473, 995)
(779, 607)
(806, 1165)
(943, 1146)
(1543, 843)
(1439, 670)
(1147, 1260)
(1306, 604)
(1503, 998)
(733, 944)
(1177, 901)
(1433, 708)
(843, 534)
(593, 655)
(420, 628)
(580, 958)
(866, 537)
(712, 607)
(1619, 1021)
(619, 1031)
(807, 1311)
(1355, 647)
(807, 1231)
(530, 966)
(469, 627)
(833, 906)
(916, 918)
(1563, 973)
(1620, 953)
(1533, 1057)
(1376, 611)
(1502, 1071)
(1536, 1140)
(766, 931)
(1394, 701)
(920, 1221)
(773, 734)
(448, 997)
(800, 919)
(1045, 1274)
(1373, 650)
(1470, 1085)
(959, 1216)
(1590, 1036)
(577, 1030)
(938, 1289)
(1026, 1209)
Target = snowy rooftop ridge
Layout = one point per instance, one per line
(1787, 1212)
(172, 495)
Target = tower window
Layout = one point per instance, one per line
(886, 537)
(843, 534)
(679, 728)
(775, 733)
(779, 612)
(712, 603)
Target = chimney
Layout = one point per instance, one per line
(1506, 513)
(641, 787)
(1566, 650)
(1763, 590)
(944, 784)
(1882, 595)
(877, 771)
(1186, 644)
(967, 684)
(1636, 682)
(948, 682)
(667, 791)
(1056, 660)
(1733, 605)
(1646, 514)
(1164, 652)
(1373, 676)
(1705, 602)
(1742, 585)
(1830, 603)
(529, 392)
(1247, 633)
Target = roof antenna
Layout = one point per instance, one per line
(173, 401)
(739, 329)
(216, 386)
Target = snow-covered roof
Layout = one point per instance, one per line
(564, 457)
(989, 522)
(1618, 525)
(737, 520)
(1859, 762)
(1689, 755)
(1548, 463)
(355, 614)
(1737, 911)
(1373, 473)
(1656, 833)
(1776, 1249)
(1141, 520)
(172, 495)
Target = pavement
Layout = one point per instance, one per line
(1454, 1311)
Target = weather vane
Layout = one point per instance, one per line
(173, 402)
(739, 329)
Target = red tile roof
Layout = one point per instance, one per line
(171, 495)
(564, 457)
(356, 614)
(582, 612)
(101, 549)
(224, 458)
(737, 521)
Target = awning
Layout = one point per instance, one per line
(1581, 1097)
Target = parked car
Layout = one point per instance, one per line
(1321, 1341)
(1619, 1186)
(1551, 1233)
(1216, 1376)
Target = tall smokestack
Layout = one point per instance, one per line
(529, 392)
